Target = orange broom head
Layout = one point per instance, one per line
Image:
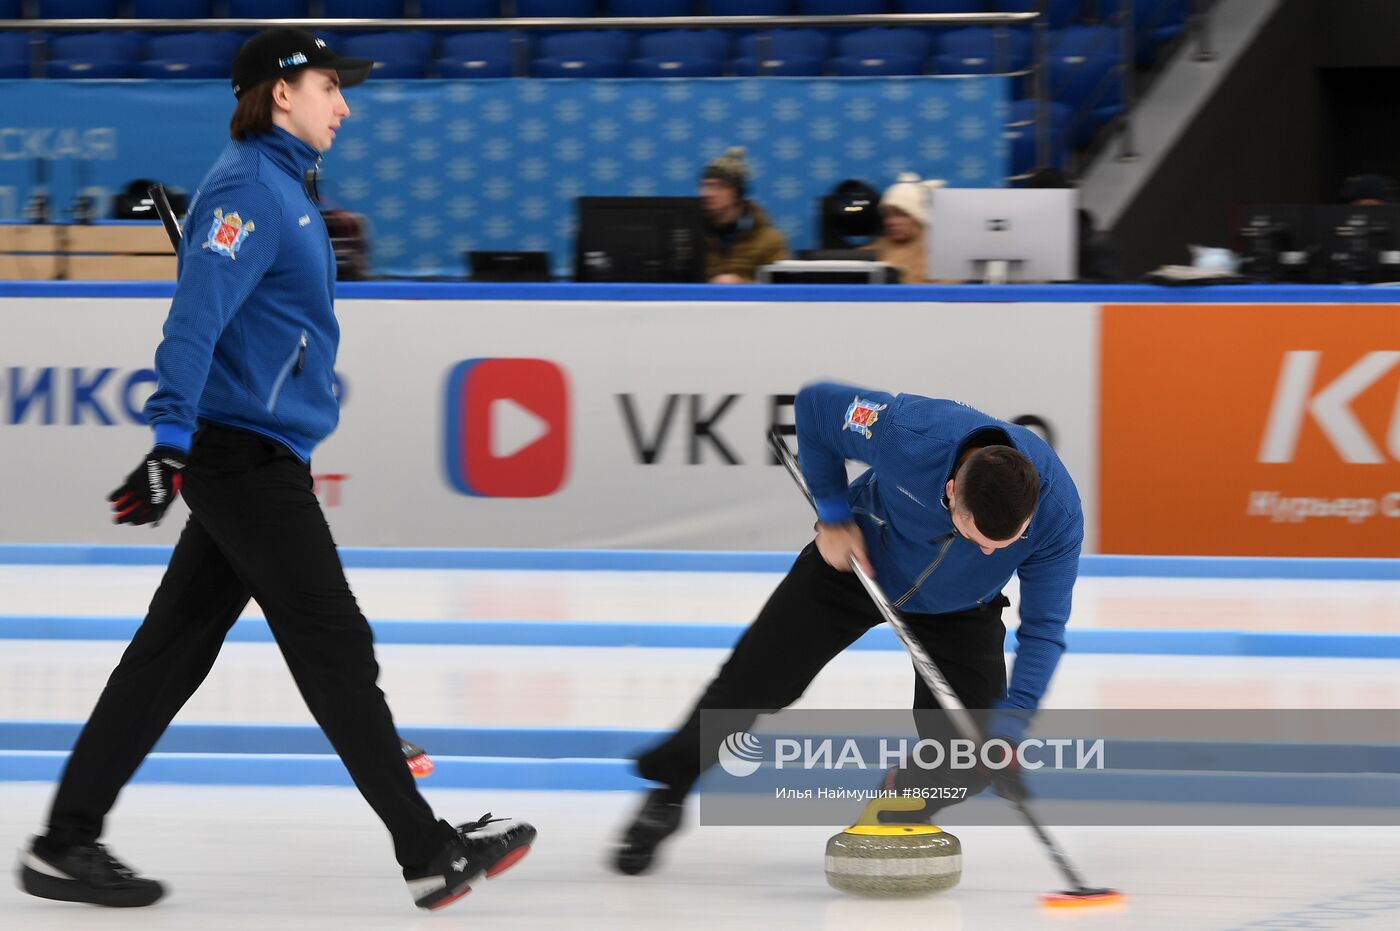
(1083, 898)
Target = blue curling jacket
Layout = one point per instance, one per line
(922, 565)
(251, 337)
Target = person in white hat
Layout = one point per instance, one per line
(904, 207)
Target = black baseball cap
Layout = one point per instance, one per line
(277, 53)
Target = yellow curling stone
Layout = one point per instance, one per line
(886, 860)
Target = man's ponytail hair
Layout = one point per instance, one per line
(999, 487)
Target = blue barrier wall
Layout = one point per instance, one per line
(826, 293)
(442, 167)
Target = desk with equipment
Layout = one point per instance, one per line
(119, 251)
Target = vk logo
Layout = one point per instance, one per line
(507, 431)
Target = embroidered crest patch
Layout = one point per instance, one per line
(861, 416)
(227, 233)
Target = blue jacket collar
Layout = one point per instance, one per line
(288, 152)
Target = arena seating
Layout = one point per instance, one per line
(399, 54)
(459, 9)
(171, 9)
(188, 55)
(77, 9)
(14, 55)
(477, 55)
(1084, 66)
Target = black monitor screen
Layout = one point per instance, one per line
(1360, 243)
(1278, 241)
(1278, 227)
(640, 239)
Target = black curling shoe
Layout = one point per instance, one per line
(658, 819)
(84, 873)
(485, 847)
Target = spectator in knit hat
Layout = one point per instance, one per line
(904, 208)
(739, 238)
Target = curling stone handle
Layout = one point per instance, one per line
(871, 816)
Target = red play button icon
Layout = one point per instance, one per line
(507, 426)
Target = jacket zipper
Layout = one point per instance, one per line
(296, 361)
(928, 571)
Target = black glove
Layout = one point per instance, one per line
(150, 489)
(1006, 780)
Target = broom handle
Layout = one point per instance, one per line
(926, 667)
(156, 192)
(1059, 856)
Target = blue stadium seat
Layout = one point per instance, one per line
(171, 9)
(77, 9)
(14, 55)
(396, 55)
(855, 66)
(883, 41)
(788, 43)
(676, 67)
(982, 50)
(939, 6)
(588, 54)
(587, 43)
(555, 8)
(82, 70)
(267, 9)
(780, 66)
(477, 55)
(579, 68)
(1057, 14)
(93, 55)
(10, 9)
(748, 7)
(363, 9)
(684, 43)
(840, 7)
(1155, 23)
(188, 55)
(681, 53)
(1021, 134)
(459, 9)
(881, 51)
(650, 8)
(1084, 71)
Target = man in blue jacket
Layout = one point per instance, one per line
(953, 504)
(246, 391)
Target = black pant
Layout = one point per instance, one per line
(814, 614)
(255, 529)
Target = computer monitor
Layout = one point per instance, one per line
(1003, 234)
(1359, 243)
(1277, 241)
(640, 239)
(508, 266)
